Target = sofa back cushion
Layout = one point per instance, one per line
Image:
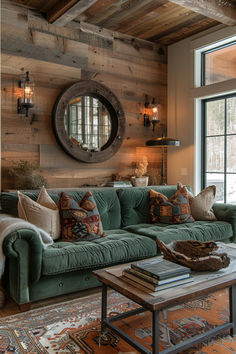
(135, 203)
(106, 199)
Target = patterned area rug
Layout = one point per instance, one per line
(74, 327)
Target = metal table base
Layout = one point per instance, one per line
(108, 323)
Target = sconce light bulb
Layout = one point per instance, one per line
(27, 90)
(154, 109)
(25, 101)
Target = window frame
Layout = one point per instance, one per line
(203, 61)
(203, 139)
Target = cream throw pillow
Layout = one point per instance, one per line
(201, 205)
(44, 213)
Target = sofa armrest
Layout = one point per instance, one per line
(23, 241)
(226, 212)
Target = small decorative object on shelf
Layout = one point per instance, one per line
(119, 181)
(199, 256)
(119, 184)
(139, 180)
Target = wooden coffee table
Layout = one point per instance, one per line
(111, 277)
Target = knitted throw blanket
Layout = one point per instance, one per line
(10, 224)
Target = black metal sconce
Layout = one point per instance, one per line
(152, 110)
(25, 102)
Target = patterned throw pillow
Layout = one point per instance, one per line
(80, 221)
(175, 210)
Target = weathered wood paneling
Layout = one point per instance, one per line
(57, 57)
(154, 20)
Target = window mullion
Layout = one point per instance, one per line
(225, 152)
(203, 152)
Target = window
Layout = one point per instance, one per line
(88, 122)
(218, 64)
(219, 146)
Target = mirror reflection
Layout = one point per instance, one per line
(87, 123)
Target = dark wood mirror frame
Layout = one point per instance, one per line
(117, 116)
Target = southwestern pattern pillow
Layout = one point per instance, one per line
(79, 221)
(175, 210)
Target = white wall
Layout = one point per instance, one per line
(184, 114)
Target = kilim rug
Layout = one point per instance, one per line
(74, 327)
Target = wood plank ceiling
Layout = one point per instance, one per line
(161, 21)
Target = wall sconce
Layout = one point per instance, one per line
(151, 113)
(25, 102)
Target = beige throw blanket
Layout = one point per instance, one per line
(10, 224)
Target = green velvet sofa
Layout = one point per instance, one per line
(33, 273)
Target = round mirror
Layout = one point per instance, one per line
(89, 121)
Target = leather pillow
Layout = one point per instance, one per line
(43, 213)
(80, 221)
(201, 205)
(175, 210)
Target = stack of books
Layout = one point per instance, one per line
(119, 184)
(156, 274)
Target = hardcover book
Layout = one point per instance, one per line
(160, 268)
(155, 281)
(154, 287)
(150, 287)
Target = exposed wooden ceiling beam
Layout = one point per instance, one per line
(67, 10)
(223, 11)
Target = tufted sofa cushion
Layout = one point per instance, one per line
(198, 230)
(118, 246)
(135, 206)
(106, 199)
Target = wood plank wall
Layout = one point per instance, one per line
(57, 57)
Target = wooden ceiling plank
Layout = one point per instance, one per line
(143, 23)
(155, 18)
(96, 9)
(187, 31)
(126, 10)
(136, 15)
(102, 16)
(178, 26)
(111, 8)
(171, 23)
(47, 5)
(154, 25)
(222, 11)
(67, 10)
